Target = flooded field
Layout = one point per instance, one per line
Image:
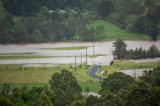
(135, 72)
(101, 50)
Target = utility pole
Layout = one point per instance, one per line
(134, 73)
(81, 58)
(100, 69)
(75, 64)
(93, 47)
(86, 58)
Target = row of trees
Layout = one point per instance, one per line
(121, 51)
(118, 89)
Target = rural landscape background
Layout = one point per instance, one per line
(79, 52)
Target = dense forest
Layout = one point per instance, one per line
(56, 20)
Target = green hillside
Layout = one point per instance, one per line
(113, 32)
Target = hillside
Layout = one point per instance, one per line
(113, 32)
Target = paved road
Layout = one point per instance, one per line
(92, 72)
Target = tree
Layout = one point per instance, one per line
(5, 90)
(141, 24)
(110, 100)
(152, 13)
(105, 8)
(120, 49)
(140, 94)
(153, 52)
(152, 77)
(46, 101)
(66, 88)
(153, 30)
(21, 7)
(91, 101)
(116, 81)
(5, 102)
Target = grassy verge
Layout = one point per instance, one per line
(19, 76)
(5, 57)
(23, 57)
(27, 53)
(125, 64)
(113, 32)
(67, 48)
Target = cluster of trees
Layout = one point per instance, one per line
(121, 51)
(118, 89)
(140, 53)
(137, 15)
(47, 25)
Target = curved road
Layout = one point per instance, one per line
(92, 72)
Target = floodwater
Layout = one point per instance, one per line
(104, 49)
(135, 72)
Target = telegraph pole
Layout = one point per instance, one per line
(134, 73)
(93, 47)
(86, 58)
(100, 69)
(81, 58)
(75, 64)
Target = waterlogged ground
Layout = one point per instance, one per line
(135, 72)
(102, 51)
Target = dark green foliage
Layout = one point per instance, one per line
(22, 7)
(121, 53)
(152, 77)
(110, 100)
(66, 88)
(153, 52)
(140, 53)
(141, 95)
(5, 90)
(116, 81)
(120, 49)
(105, 8)
(141, 24)
(91, 101)
(5, 102)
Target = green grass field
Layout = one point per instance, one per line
(19, 76)
(67, 48)
(125, 64)
(113, 32)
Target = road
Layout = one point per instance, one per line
(92, 72)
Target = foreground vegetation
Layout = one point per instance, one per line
(127, 64)
(117, 89)
(17, 75)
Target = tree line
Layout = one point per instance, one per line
(53, 20)
(118, 89)
(121, 51)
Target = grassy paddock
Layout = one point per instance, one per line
(113, 32)
(19, 76)
(67, 48)
(126, 64)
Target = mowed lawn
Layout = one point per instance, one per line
(113, 32)
(19, 76)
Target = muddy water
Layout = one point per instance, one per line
(135, 73)
(65, 56)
